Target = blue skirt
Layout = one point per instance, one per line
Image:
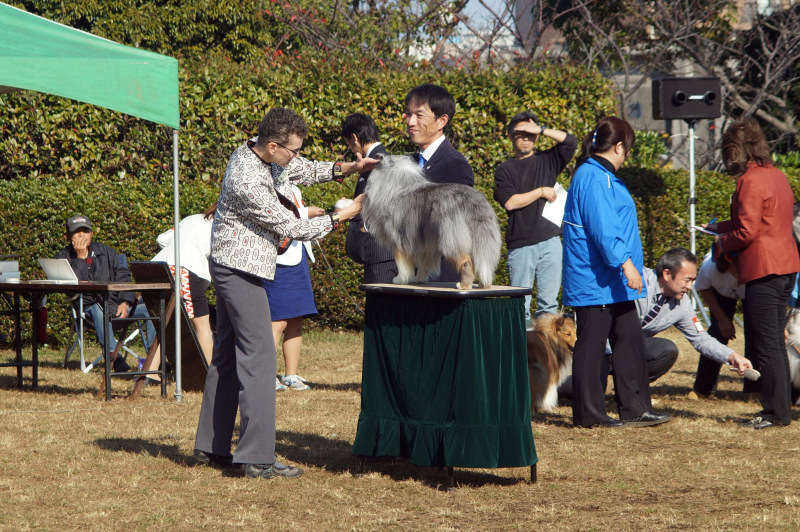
(290, 294)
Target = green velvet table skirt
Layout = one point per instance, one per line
(445, 382)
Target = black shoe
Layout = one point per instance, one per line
(213, 460)
(759, 422)
(119, 365)
(147, 381)
(271, 470)
(610, 424)
(648, 419)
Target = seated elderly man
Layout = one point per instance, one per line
(665, 306)
(92, 261)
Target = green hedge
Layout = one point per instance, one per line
(128, 216)
(59, 157)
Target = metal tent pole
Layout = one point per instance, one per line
(177, 307)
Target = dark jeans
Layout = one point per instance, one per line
(705, 381)
(764, 323)
(619, 323)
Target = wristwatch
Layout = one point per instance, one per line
(542, 128)
(337, 172)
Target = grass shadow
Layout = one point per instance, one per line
(436, 477)
(340, 387)
(141, 446)
(10, 382)
(552, 419)
(657, 389)
(336, 456)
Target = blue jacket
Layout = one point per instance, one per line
(601, 232)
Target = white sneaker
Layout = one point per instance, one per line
(278, 386)
(295, 382)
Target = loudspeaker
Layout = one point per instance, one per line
(686, 98)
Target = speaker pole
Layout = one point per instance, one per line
(692, 198)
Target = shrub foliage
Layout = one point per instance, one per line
(59, 157)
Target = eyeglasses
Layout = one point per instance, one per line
(296, 152)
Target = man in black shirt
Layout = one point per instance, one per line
(522, 185)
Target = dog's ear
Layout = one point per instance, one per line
(559, 321)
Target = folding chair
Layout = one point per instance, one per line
(80, 322)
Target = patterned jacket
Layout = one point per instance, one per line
(250, 221)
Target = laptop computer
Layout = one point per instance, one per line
(58, 271)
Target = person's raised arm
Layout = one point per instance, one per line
(361, 164)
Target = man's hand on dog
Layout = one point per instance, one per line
(365, 164)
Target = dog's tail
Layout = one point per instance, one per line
(486, 243)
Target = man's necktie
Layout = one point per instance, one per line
(421, 161)
(655, 310)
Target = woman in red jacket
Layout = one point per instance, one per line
(760, 231)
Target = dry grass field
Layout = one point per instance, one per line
(71, 461)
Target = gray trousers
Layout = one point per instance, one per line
(241, 373)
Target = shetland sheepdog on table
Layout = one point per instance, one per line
(424, 221)
(550, 345)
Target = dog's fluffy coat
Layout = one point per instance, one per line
(550, 345)
(792, 347)
(424, 221)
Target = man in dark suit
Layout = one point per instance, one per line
(428, 113)
(361, 135)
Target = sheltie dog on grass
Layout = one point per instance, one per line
(424, 221)
(793, 351)
(550, 345)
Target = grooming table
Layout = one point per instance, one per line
(445, 378)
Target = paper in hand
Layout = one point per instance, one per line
(704, 230)
(554, 211)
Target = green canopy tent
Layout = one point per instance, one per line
(41, 55)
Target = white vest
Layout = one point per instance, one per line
(293, 254)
